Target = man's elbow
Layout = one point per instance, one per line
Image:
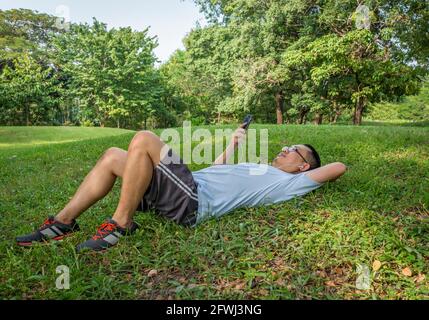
(336, 169)
(340, 168)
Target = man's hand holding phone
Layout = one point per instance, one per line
(240, 134)
(237, 137)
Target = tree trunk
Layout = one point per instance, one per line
(302, 115)
(279, 107)
(218, 117)
(27, 115)
(318, 118)
(337, 114)
(119, 125)
(359, 107)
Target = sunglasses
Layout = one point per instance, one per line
(294, 149)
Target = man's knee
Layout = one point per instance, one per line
(114, 159)
(143, 138)
(112, 154)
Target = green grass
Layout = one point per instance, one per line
(404, 123)
(307, 248)
(18, 137)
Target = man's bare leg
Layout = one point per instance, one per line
(144, 153)
(96, 185)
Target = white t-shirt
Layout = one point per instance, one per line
(222, 188)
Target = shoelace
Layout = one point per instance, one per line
(104, 229)
(48, 222)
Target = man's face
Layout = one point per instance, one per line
(291, 159)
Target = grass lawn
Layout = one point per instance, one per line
(17, 137)
(306, 248)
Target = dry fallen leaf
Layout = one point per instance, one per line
(263, 292)
(376, 265)
(338, 271)
(278, 261)
(321, 274)
(280, 282)
(152, 273)
(240, 286)
(330, 283)
(407, 272)
(420, 278)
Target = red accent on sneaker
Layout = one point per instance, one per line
(48, 222)
(104, 229)
(25, 244)
(30, 243)
(60, 237)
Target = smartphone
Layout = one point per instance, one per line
(246, 122)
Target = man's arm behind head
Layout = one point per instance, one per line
(329, 172)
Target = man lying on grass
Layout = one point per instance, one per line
(151, 181)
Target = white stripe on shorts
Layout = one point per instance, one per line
(178, 179)
(192, 196)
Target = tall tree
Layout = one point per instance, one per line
(112, 72)
(26, 31)
(265, 30)
(209, 61)
(26, 93)
(352, 64)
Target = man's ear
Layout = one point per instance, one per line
(304, 167)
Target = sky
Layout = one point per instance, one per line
(169, 20)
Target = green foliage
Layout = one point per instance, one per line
(25, 31)
(26, 92)
(412, 108)
(88, 75)
(348, 70)
(209, 59)
(295, 59)
(112, 72)
(315, 49)
(180, 97)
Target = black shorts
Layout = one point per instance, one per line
(172, 192)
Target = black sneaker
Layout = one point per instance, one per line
(107, 236)
(50, 230)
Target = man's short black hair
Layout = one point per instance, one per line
(316, 158)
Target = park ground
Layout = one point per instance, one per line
(375, 216)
